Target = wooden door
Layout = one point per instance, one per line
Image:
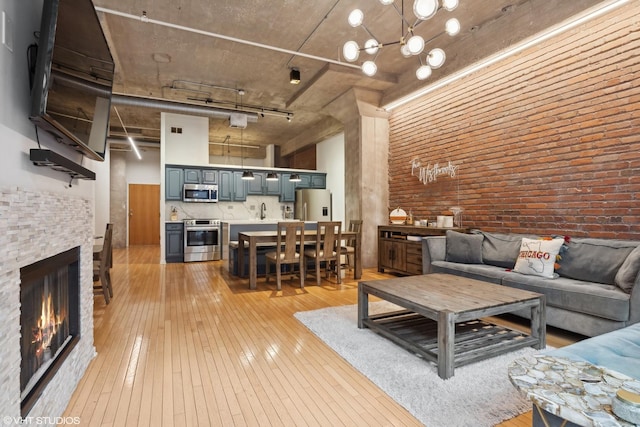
(144, 214)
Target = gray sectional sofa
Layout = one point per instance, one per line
(595, 289)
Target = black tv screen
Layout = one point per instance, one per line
(73, 77)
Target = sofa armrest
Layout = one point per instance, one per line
(634, 302)
(434, 248)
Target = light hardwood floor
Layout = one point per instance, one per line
(190, 345)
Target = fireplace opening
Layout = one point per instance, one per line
(49, 320)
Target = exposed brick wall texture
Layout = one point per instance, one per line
(547, 141)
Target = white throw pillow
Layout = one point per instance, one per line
(537, 257)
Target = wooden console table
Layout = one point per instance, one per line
(398, 253)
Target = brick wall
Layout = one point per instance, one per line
(547, 141)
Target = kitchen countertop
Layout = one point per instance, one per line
(258, 221)
(243, 221)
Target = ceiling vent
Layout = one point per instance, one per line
(237, 120)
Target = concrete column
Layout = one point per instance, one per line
(366, 134)
(118, 205)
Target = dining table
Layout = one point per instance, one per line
(251, 239)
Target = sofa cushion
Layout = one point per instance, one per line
(596, 299)
(594, 260)
(628, 271)
(618, 350)
(464, 248)
(487, 273)
(538, 256)
(499, 249)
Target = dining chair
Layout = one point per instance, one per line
(290, 239)
(327, 249)
(348, 249)
(102, 262)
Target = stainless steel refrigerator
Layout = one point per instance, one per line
(313, 205)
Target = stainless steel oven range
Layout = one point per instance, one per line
(202, 240)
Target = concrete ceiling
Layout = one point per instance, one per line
(207, 61)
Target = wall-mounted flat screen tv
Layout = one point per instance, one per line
(73, 77)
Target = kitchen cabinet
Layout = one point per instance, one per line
(400, 246)
(174, 181)
(272, 188)
(231, 188)
(259, 186)
(307, 180)
(318, 180)
(174, 239)
(192, 176)
(209, 176)
(200, 176)
(287, 188)
(255, 186)
(312, 180)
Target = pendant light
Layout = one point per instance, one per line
(294, 177)
(411, 44)
(272, 176)
(247, 174)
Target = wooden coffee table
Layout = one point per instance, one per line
(442, 321)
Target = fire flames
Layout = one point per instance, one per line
(47, 326)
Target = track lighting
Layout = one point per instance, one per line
(135, 148)
(131, 141)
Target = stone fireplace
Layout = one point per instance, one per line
(47, 340)
(49, 321)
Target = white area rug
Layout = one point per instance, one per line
(478, 394)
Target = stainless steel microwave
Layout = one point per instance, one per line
(203, 193)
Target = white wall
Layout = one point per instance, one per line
(14, 84)
(145, 170)
(17, 133)
(330, 159)
(40, 215)
(191, 147)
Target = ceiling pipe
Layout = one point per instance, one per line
(178, 107)
(145, 19)
(145, 102)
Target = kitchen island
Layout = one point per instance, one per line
(251, 240)
(231, 228)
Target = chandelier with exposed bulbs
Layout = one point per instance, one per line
(410, 44)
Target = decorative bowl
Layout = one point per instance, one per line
(626, 405)
(398, 216)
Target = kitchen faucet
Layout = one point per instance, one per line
(263, 209)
